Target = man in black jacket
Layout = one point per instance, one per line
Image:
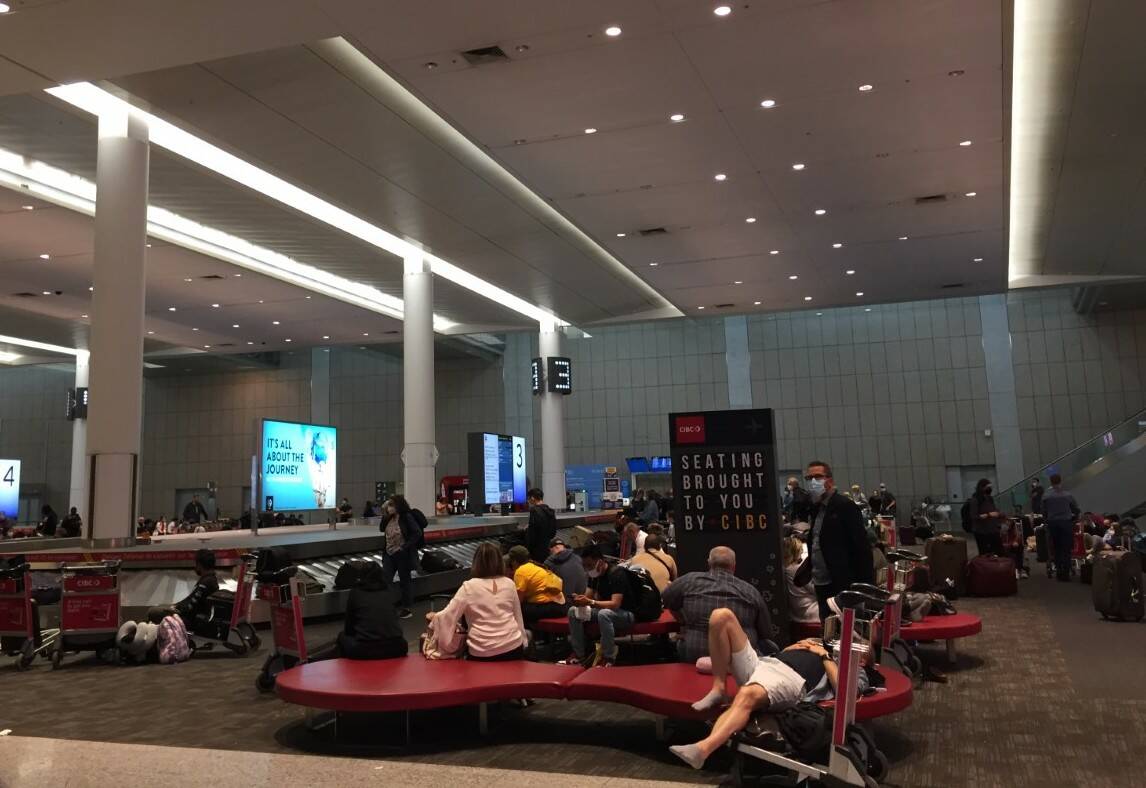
(542, 526)
(837, 546)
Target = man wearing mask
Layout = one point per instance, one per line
(1037, 493)
(838, 545)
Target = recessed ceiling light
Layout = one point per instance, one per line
(965, 144)
(676, 117)
(864, 88)
(5, 8)
(430, 64)
(83, 315)
(903, 237)
(149, 333)
(237, 276)
(751, 220)
(45, 257)
(793, 277)
(148, 246)
(768, 103)
(860, 293)
(868, 309)
(274, 322)
(207, 346)
(700, 307)
(47, 292)
(970, 194)
(837, 246)
(214, 306)
(757, 303)
(820, 212)
(260, 300)
(850, 272)
(324, 336)
(91, 289)
(365, 334)
(807, 298)
(28, 207)
(720, 176)
(309, 297)
(653, 265)
(234, 325)
(774, 251)
(722, 10)
(286, 340)
(521, 48)
(590, 131)
(819, 314)
(170, 309)
(737, 282)
(612, 31)
(978, 260)
(797, 166)
(620, 235)
(250, 343)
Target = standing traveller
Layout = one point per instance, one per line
(838, 544)
(652, 511)
(194, 512)
(402, 536)
(795, 501)
(1037, 493)
(542, 526)
(986, 521)
(1060, 511)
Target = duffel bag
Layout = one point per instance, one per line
(990, 575)
(434, 561)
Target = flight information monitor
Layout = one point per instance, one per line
(498, 462)
(10, 488)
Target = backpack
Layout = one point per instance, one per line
(649, 604)
(807, 728)
(965, 513)
(420, 521)
(349, 574)
(174, 645)
(434, 561)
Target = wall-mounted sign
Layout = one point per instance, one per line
(536, 376)
(560, 371)
(77, 407)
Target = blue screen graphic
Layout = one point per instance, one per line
(10, 488)
(299, 465)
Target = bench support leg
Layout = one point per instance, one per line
(660, 723)
(406, 725)
(951, 651)
(483, 718)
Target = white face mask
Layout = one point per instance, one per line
(816, 488)
(594, 573)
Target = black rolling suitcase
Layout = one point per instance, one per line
(1117, 585)
(1042, 544)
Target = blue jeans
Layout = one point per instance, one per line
(608, 621)
(1062, 540)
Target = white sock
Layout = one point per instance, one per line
(713, 699)
(689, 753)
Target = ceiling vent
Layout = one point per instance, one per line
(225, 344)
(952, 286)
(392, 331)
(931, 198)
(653, 231)
(724, 306)
(212, 276)
(23, 295)
(484, 55)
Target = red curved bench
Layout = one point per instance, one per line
(670, 689)
(931, 628)
(662, 626)
(413, 682)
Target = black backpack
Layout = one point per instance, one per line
(349, 574)
(649, 605)
(434, 561)
(420, 520)
(965, 513)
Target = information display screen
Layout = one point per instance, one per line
(501, 469)
(660, 464)
(299, 464)
(560, 374)
(10, 488)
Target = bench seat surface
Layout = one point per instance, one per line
(662, 626)
(412, 682)
(960, 625)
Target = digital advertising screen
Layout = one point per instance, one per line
(299, 464)
(10, 488)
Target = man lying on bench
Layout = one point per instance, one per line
(804, 671)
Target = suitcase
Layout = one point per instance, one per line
(1117, 585)
(1042, 545)
(990, 575)
(906, 535)
(1086, 572)
(947, 558)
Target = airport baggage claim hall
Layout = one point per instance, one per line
(572, 393)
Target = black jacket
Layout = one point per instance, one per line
(542, 527)
(844, 544)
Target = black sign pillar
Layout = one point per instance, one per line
(724, 485)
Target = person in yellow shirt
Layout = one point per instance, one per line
(660, 565)
(539, 589)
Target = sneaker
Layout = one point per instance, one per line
(405, 613)
(1018, 575)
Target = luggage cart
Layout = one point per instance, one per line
(228, 621)
(284, 591)
(20, 633)
(89, 609)
(852, 758)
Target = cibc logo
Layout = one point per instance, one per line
(690, 429)
(88, 582)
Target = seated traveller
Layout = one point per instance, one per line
(566, 564)
(804, 671)
(802, 604)
(659, 564)
(610, 602)
(492, 612)
(539, 589)
(197, 604)
(694, 596)
(372, 630)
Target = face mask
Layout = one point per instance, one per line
(594, 573)
(816, 488)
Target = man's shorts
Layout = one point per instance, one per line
(785, 687)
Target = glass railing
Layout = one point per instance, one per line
(1074, 461)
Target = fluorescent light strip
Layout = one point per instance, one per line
(98, 102)
(31, 343)
(8, 358)
(71, 191)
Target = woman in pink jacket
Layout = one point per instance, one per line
(492, 611)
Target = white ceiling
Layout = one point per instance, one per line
(249, 77)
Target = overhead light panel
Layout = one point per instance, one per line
(793, 277)
(34, 345)
(720, 176)
(676, 118)
(8, 358)
(807, 298)
(820, 212)
(864, 88)
(722, 10)
(965, 144)
(768, 103)
(751, 220)
(837, 246)
(970, 194)
(774, 251)
(590, 131)
(612, 31)
(45, 257)
(798, 166)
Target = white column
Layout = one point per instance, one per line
(552, 424)
(419, 452)
(116, 389)
(78, 494)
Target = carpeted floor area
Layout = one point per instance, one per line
(1047, 695)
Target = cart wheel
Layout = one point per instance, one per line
(878, 767)
(241, 649)
(256, 641)
(264, 682)
(27, 655)
(57, 658)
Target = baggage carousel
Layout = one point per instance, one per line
(161, 572)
